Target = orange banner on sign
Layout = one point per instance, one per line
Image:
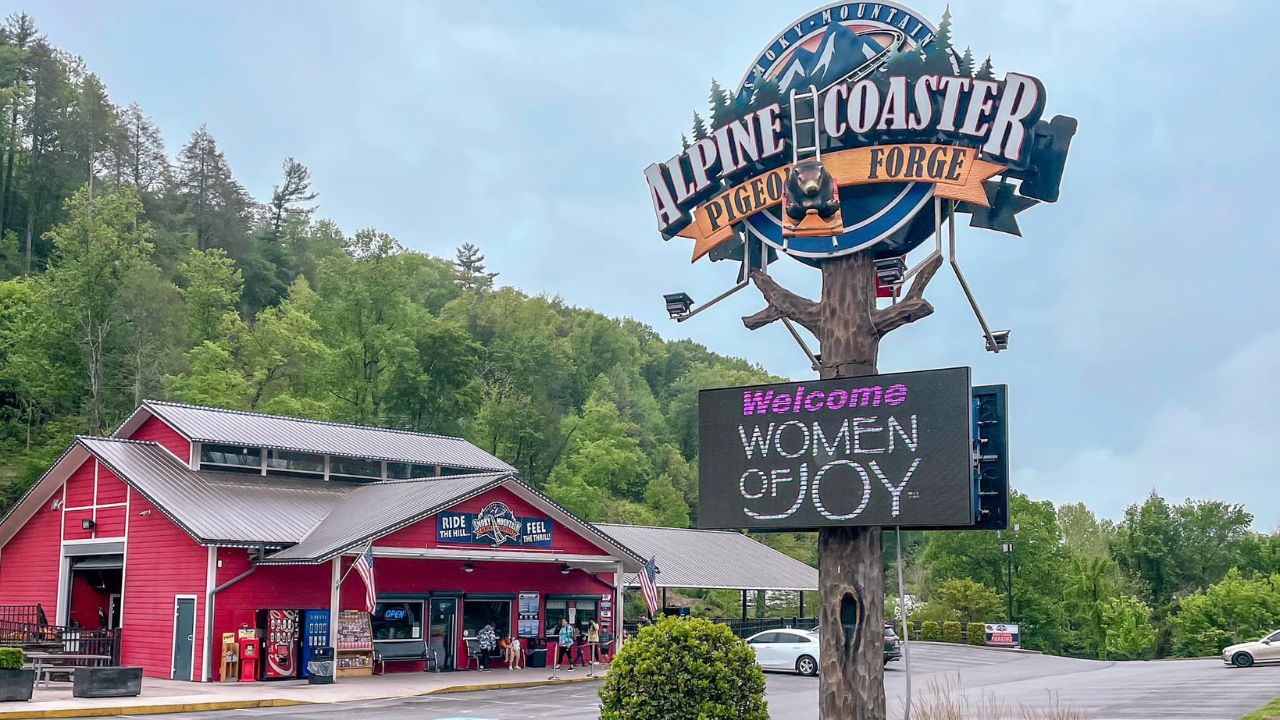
(955, 172)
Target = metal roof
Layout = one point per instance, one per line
(372, 511)
(235, 427)
(716, 559)
(227, 508)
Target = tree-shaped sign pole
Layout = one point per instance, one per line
(855, 135)
(848, 326)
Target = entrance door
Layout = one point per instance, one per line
(113, 615)
(184, 636)
(443, 633)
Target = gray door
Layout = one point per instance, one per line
(184, 636)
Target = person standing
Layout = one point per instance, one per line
(488, 640)
(593, 642)
(564, 647)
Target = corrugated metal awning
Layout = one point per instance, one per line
(714, 559)
(98, 562)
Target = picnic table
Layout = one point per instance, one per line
(46, 663)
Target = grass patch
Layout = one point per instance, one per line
(1270, 712)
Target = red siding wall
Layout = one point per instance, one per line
(153, 429)
(161, 561)
(29, 562)
(110, 488)
(423, 534)
(80, 485)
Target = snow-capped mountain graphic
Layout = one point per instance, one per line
(841, 52)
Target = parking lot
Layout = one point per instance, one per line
(1176, 689)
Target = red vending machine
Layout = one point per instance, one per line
(279, 643)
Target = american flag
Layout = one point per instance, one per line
(648, 577)
(364, 566)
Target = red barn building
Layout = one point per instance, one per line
(189, 521)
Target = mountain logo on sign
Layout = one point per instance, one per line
(497, 523)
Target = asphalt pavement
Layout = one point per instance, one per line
(976, 678)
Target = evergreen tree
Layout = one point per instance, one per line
(966, 63)
(699, 128)
(286, 199)
(470, 268)
(766, 92)
(942, 40)
(91, 129)
(684, 141)
(217, 205)
(140, 153)
(721, 110)
(986, 72)
(19, 32)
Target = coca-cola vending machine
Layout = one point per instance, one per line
(279, 643)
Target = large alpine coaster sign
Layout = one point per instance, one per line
(882, 450)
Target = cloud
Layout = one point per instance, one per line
(1213, 437)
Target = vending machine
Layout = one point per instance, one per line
(279, 643)
(315, 633)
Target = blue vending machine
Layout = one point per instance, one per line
(315, 633)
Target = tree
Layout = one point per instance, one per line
(1232, 611)
(699, 127)
(721, 110)
(1126, 623)
(471, 273)
(216, 204)
(966, 600)
(213, 285)
(91, 129)
(96, 251)
(140, 155)
(943, 37)
(19, 33)
(1082, 532)
(986, 72)
(966, 63)
(703, 671)
(287, 199)
(666, 501)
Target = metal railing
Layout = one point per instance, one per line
(26, 614)
(751, 626)
(57, 639)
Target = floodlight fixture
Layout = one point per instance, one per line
(88, 524)
(564, 568)
(678, 305)
(998, 340)
(891, 271)
(468, 567)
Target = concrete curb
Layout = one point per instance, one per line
(174, 708)
(976, 647)
(152, 709)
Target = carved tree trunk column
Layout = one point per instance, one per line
(850, 572)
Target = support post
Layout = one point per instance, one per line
(744, 607)
(902, 616)
(849, 326)
(664, 601)
(801, 603)
(335, 594)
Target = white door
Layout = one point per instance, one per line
(766, 649)
(1271, 651)
(794, 645)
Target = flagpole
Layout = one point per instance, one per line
(352, 566)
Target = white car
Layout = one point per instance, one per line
(786, 650)
(1245, 654)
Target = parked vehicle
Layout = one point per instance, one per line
(798, 649)
(1261, 651)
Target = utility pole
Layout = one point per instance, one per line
(1008, 557)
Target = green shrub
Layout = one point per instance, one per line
(951, 631)
(11, 658)
(684, 669)
(930, 630)
(977, 634)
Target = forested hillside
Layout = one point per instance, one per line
(132, 270)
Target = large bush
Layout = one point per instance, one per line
(1234, 610)
(930, 630)
(977, 633)
(1126, 625)
(684, 669)
(10, 658)
(951, 631)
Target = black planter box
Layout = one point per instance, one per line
(16, 684)
(96, 682)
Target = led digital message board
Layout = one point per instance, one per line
(882, 450)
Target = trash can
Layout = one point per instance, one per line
(320, 668)
(537, 657)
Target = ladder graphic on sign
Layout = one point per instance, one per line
(804, 128)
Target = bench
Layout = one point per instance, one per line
(385, 651)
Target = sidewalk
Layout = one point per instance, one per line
(172, 696)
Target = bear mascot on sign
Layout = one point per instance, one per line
(811, 205)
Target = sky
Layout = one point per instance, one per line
(1145, 347)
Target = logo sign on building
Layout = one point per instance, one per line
(882, 450)
(496, 524)
(897, 116)
(1003, 635)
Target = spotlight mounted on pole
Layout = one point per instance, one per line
(999, 340)
(678, 305)
(891, 271)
